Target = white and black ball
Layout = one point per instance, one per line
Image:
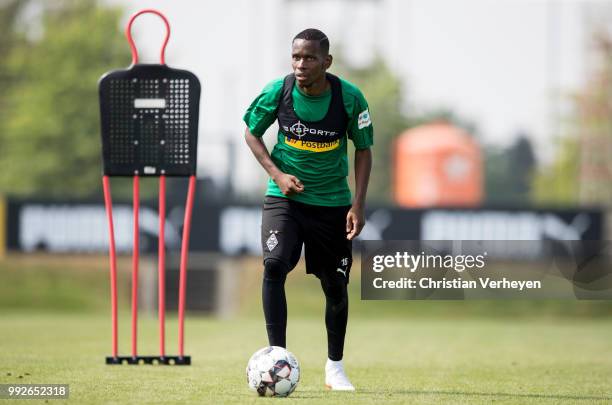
(273, 371)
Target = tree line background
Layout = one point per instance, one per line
(54, 54)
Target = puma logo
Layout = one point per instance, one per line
(341, 271)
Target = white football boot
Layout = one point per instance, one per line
(335, 377)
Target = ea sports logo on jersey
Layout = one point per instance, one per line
(298, 129)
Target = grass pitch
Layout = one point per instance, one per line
(391, 361)
(55, 328)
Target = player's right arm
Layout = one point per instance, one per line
(286, 182)
(258, 118)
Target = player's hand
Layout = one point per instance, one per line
(289, 184)
(355, 220)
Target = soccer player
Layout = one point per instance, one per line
(308, 201)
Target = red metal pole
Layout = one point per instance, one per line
(135, 256)
(161, 269)
(113, 260)
(128, 33)
(184, 255)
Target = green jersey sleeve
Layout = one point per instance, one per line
(262, 111)
(360, 129)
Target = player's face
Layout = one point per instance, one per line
(308, 62)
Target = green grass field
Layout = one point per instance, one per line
(396, 353)
(390, 360)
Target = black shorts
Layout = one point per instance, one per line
(287, 225)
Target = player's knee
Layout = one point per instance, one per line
(275, 270)
(336, 293)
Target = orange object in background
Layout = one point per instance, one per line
(437, 165)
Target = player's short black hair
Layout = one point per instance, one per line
(313, 34)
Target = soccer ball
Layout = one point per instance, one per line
(273, 371)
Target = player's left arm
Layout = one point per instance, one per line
(360, 131)
(355, 219)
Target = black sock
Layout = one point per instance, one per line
(336, 317)
(275, 302)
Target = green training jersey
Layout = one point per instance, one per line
(322, 168)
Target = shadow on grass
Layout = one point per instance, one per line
(491, 394)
